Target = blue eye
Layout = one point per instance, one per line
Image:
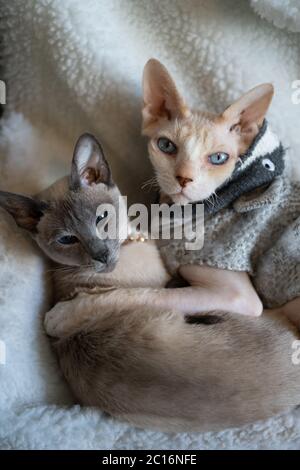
(68, 240)
(101, 217)
(218, 158)
(166, 146)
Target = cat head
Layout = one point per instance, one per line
(193, 153)
(64, 219)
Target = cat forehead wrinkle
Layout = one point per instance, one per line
(200, 141)
(78, 207)
(194, 125)
(193, 147)
(185, 130)
(203, 119)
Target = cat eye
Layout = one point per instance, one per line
(101, 217)
(166, 146)
(68, 240)
(218, 158)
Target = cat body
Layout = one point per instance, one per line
(234, 164)
(256, 232)
(128, 345)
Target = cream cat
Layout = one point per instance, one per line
(119, 343)
(234, 164)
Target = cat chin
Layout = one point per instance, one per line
(104, 268)
(180, 199)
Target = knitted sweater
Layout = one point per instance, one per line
(254, 225)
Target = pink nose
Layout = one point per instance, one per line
(183, 181)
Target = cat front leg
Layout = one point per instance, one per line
(210, 290)
(69, 317)
(57, 321)
(218, 289)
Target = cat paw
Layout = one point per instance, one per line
(53, 323)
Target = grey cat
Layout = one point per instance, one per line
(127, 344)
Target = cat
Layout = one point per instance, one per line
(120, 345)
(233, 164)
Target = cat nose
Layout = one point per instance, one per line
(102, 257)
(183, 180)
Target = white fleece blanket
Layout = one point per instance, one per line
(76, 66)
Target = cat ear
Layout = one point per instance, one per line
(26, 211)
(89, 165)
(160, 96)
(246, 115)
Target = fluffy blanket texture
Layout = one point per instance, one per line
(76, 66)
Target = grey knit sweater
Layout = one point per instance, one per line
(254, 227)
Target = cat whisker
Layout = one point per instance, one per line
(66, 269)
(214, 198)
(210, 202)
(150, 183)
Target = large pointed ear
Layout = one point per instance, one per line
(160, 96)
(89, 165)
(246, 115)
(26, 211)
